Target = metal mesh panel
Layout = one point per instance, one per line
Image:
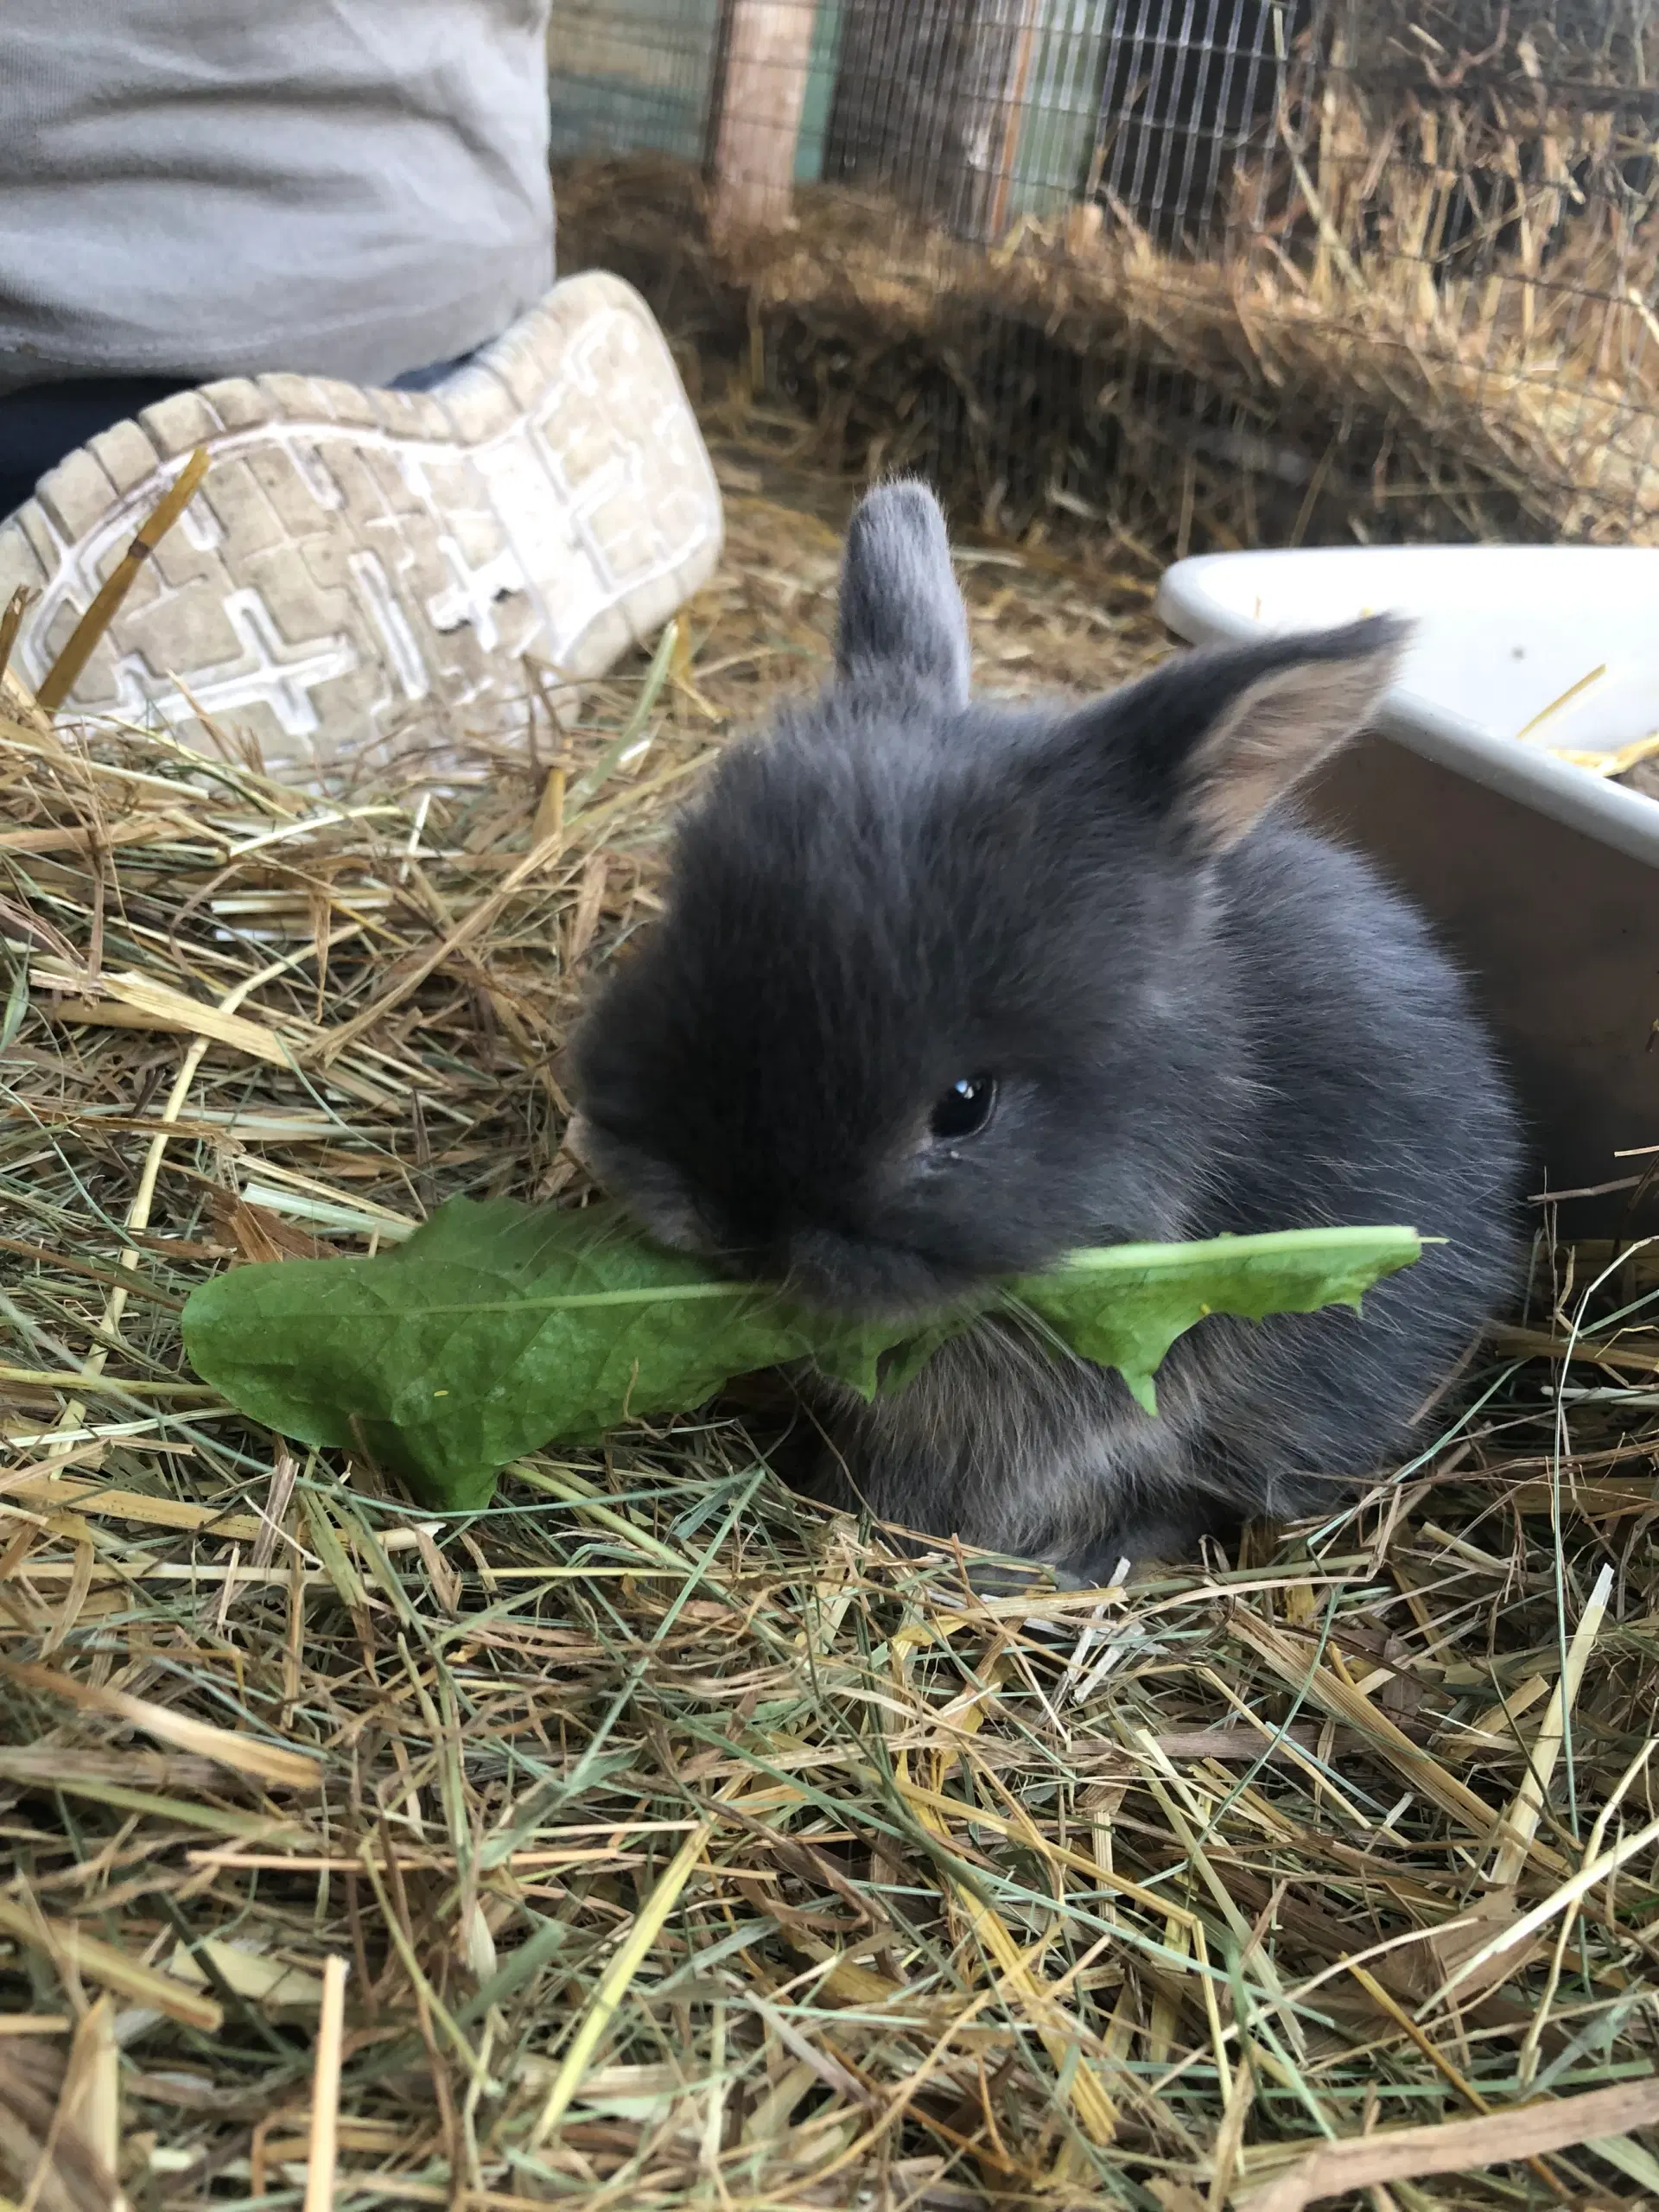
(629, 74)
(1203, 270)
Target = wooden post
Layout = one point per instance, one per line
(768, 47)
(1012, 121)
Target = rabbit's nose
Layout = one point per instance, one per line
(823, 1268)
(826, 1268)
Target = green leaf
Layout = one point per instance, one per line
(1124, 1305)
(497, 1328)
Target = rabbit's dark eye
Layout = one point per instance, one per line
(965, 1108)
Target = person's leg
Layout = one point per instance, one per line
(430, 378)
(376, 567)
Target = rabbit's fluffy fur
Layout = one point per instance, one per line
(1189, 1016)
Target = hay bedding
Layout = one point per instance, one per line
(675, 1844)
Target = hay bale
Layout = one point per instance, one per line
(1428, 313)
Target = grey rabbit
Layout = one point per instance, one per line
(945, 989)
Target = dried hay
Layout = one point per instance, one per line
(1346, 364)
(673, 1843)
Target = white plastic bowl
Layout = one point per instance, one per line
(1543, 875)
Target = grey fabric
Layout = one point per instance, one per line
(192, 188)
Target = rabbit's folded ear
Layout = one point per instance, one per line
(1212, 739)
(902, 623)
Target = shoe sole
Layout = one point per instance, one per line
(365, 567)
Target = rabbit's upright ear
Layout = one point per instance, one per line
(902, 623)
(1209, 742)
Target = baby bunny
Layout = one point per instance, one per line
(944, 990)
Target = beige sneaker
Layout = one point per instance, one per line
(366, 568)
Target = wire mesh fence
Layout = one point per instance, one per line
(1205, 271)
